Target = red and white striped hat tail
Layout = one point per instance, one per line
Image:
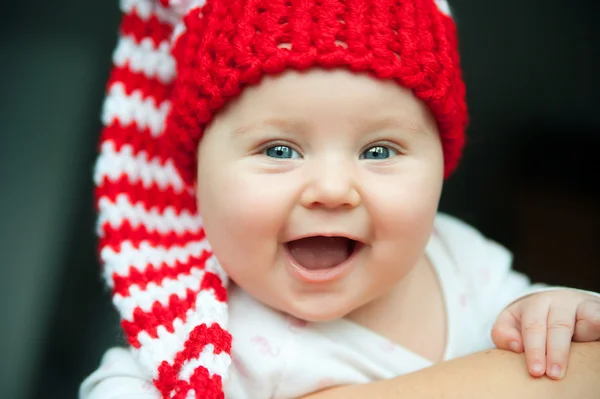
(167, 286)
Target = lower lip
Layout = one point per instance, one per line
(323, 275)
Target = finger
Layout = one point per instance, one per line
(534, 330)
(506, 333)
(561, 324)
(587, 327)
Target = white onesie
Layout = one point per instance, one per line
(275, 356)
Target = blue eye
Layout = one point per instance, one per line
(378, 152)
(282, 152)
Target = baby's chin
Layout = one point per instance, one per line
(315, 312)
(306, 307)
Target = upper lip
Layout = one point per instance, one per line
(328, 234)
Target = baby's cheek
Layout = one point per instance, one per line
(403, 227)
(243, 231)
(261, 206)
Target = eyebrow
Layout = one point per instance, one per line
(281, 124)
(370, 125)
(362, 126)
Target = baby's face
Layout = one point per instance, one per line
(318, 191)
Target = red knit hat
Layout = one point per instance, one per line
(177, 63)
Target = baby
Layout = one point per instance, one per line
(298, 149)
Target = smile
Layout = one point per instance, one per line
(321, 258)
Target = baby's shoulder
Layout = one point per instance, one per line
(455, 230)
(254, 325)
(262, 346)
(468, 248)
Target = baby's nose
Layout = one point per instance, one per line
(333, 184)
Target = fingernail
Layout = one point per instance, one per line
(514, 346)
(537, 368)
(555, 371)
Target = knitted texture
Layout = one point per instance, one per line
(178, 62)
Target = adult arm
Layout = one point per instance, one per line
(493, 374)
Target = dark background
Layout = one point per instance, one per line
(533, 75)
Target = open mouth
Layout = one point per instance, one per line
(320, 252)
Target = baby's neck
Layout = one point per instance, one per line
(416, 301)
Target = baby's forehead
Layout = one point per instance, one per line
(299, 101)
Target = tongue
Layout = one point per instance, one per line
(317, 253)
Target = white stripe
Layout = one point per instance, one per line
(152, 293)
(184, 8)
(134, 108)
(145, 298)
(165, 221)
(155, 350)
(113, 164)
(444, 7)
(145, 57)
(146, 8)
(215, 364)
(213, 266)
(145, 255)
(177, 32)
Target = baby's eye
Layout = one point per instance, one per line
(378, 152)
(282, 152)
